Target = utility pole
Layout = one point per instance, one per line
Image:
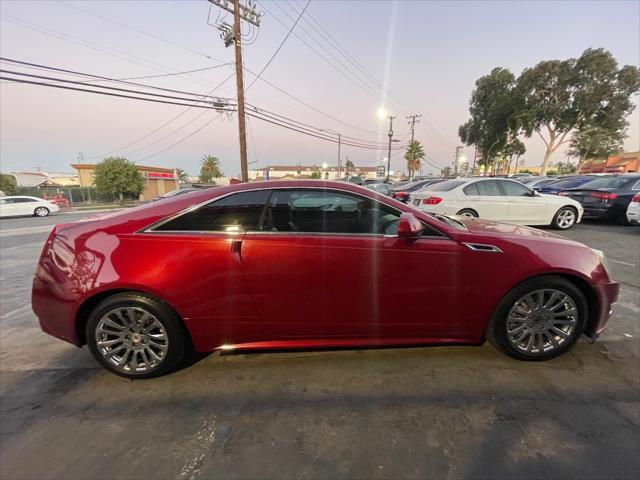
(339, 144)
(244, 169)
(391, 117)
(414, 120)
(233, 35)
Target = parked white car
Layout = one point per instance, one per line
(497, 199)
(21, 205)
(633, 210)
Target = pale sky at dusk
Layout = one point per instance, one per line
(429, 52)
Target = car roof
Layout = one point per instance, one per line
(133, 219)
(22, 196)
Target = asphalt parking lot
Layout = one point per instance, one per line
(431, 412)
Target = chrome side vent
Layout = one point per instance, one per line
(482, 247)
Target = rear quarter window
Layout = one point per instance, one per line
(610, 182)
(239, 211)
(471, 189)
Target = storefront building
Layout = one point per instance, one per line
(157, 180)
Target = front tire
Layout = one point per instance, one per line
(135, 336)
(41, 212)
(565, 218)
(539, 319)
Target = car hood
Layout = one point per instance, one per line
(487, 227)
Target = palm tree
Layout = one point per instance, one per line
(414, 156)
(209, 169)
(182, 175)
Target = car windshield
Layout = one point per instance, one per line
(445, 186)
(609, 182)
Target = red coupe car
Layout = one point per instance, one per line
(310, 264)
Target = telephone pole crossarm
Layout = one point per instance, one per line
(248, 13)
(232, 35)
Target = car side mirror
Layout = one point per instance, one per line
(409, 226)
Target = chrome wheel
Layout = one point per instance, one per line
(42, 212)
(542, 321)
(131, 339)
(566, 218)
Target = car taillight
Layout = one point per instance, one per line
(636, 198)
(399, 194)
(431, 200)
(562, 194)
(604, 196)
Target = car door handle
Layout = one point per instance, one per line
(236, 250)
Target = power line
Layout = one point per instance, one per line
(317, 128)
(126, 90)
(65, 87)
(171, 120)
(96, 47)
(128, 27)
(302, 102)
(260, 113)
(185, 72)
(351, 59)
(110, 51)
(100, 77)
(180, 141)
(268, 119)
(340, 70)
(266, 65)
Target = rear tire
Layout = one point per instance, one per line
(565, 218)
(468, 212)
(41, 212)
(135, 335)
(553, 330)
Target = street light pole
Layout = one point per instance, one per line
(339, 144)
(390, 117)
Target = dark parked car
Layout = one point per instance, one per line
(555, 188)
(266, 265)
(402, 192)
(607, 197)
(536, 182)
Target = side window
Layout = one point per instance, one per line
(326, 211)
(240, 211)
(514, 189)
(489, 188)
(471, 189)
(636, 186)
(23, 200)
